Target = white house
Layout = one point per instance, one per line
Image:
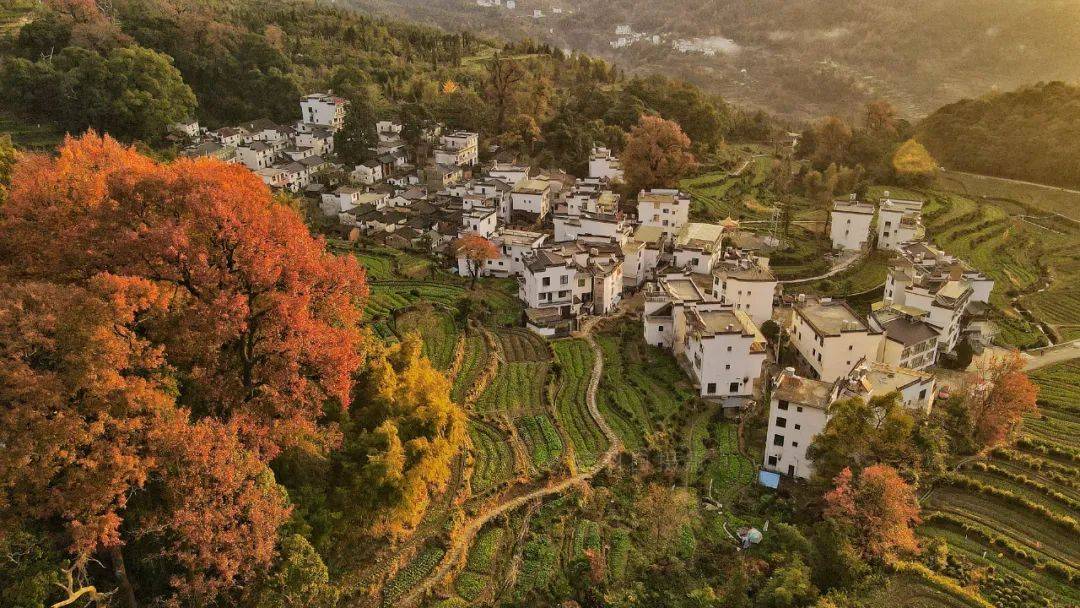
(849, 224)
(346, 198)
(899, 221)
(531, 197)
(926, 279)
(799, 409)
(724, 350)
(592, 227)
(515, 246)
(831, 337)
(508, 173)
(748, 285)
(479, 220)
(187, 128)
(910, 341)
(257, 154)
(665, 209)
(460, 148)
(646, 247)
(388, 131)
(605, 165)
(368, 173)
(323, 109)
(664, 315)
(591, 195)
(698, 247)
(548, 281)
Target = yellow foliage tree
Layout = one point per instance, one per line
(421, 433)
(913, 162)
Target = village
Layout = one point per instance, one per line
(577, 253)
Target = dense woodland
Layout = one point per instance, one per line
(1028, 134)
(247, 60)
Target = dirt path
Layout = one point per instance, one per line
(459, 546)
(847, 260)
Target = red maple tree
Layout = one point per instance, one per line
(879, 507)
(476, 250)
(165, 331)
(997, 394)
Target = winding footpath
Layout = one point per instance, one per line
(459, 547)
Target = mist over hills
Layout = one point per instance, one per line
(799, 59)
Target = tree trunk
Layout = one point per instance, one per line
(120, 569)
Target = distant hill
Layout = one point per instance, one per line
(1031, 134)
(807, 58)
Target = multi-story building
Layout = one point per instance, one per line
(666, 303)
(531, 198)
(799, 409)
(509, 174)
(849, 224)
(479, 220)
(559, 283)
(605, 165)
(910, 341)
(926, 279)
(460, 148)
(698, 247)
(724, 350)
(747, 284)
(831, 337)
(666, 209)
(514, 247)
(899, 221)
(324, 110)
(720, 348)
(590, 196)
(592, 227)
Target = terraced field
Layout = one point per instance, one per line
(436, 326)
(518, 388)
(575, 360)
(640, 389)
(1016, 513)
(542, 441)
(519, 345)
(473, 361)
(1003, 236)
(493, 458)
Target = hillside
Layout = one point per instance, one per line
(803, 59)
(1029, 134)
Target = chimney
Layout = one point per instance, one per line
(956, 272)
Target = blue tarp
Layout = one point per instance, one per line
(768, 479)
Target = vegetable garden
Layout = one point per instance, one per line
(493, 459)
(1016, 512)
(437, 329)
(575, 359)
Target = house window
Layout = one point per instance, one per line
(781, 422)
(783, 405)
(778, 440)
(728, 366)
(794, 444)
(791, 470)
(772, 461)
(798, 426)
(733, 387)
(922, 394)
(563, 280)
(660, 328)
(798, 409)
(546, 281)
(729, 349)
(712, 388)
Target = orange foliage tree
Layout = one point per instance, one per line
(657, 154)
(878, 507)
(997, 394)
(165, 331)
(476, 250)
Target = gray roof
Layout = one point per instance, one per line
(908, 331)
